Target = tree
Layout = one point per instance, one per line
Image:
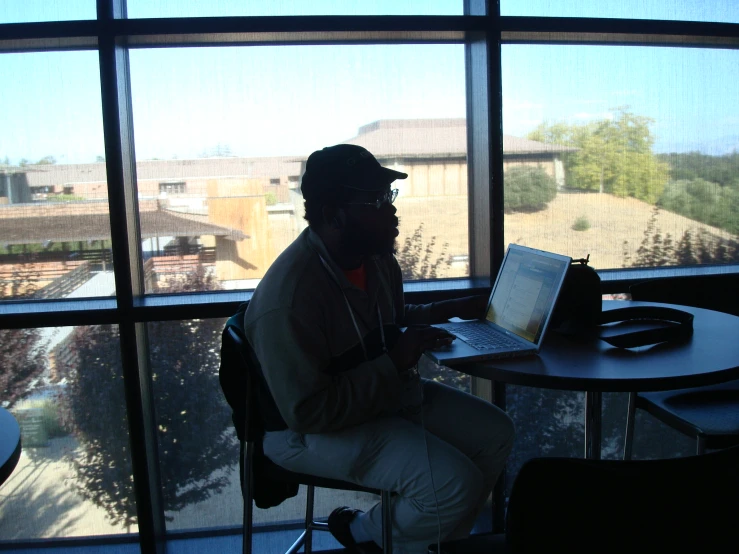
(613, 156)
(528, 189)
(46, 160)
(21, 363)
(723, 170)
(219, 151)
(418, 261)
(192, 417)
(704, 201)
(22, 360)
(691, 249)
(99, 159)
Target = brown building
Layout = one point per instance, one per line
(433, 152)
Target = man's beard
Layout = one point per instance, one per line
(356, 240)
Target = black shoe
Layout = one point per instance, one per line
(338, 524)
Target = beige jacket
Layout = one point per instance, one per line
(308, 344)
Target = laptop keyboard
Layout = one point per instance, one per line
(480, 336)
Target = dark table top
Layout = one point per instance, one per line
(711, 356)
(10, 444)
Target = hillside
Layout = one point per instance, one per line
(613, 221)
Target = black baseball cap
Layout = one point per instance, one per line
(345, 165)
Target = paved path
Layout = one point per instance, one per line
(39, 500)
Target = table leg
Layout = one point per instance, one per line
(499, 499)
(593, 424)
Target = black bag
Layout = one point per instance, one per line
(579, 313)
(580, 301)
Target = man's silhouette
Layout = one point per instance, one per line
(325, 324)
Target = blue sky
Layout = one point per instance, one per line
(291, 100)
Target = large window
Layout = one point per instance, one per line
(64, 385)
(54, 221)
(220, 8)
(678, 10)
(44, 10)
(150, 173)
(253, 115)
(625, 153)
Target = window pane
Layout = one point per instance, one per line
(552, 423)
(221, 8)
(65, 387)
(725, 11)
(28, 11)
(222, 135)
(624, 153)
(54, 224)
(198, 449)
(547, 422)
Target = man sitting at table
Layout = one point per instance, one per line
(325, 326)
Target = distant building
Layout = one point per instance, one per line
(434, 153)
(14, 187)
(237, 213)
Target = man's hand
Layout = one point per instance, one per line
(469, 307)
(412, 343)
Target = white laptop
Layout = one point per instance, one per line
(518, 313)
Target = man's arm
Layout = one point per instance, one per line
(469, 307)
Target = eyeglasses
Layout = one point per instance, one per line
(385, 198)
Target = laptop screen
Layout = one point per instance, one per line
(526, 291)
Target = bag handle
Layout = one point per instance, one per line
(680, 328)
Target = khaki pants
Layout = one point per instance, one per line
(468, 442)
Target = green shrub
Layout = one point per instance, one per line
(581, 224)
(64, 198)
(703, 201)
(528, 189)
(270, 198)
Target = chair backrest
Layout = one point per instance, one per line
(235, 378)
(673, 505)
(246, 392)
(237, 384)
(714, 292)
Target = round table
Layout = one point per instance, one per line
(10, 444)
(711, 356)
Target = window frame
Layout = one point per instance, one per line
(112, 35)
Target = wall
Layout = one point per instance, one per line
(434, 178)
(244, 209)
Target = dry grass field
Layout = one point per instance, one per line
(617, 225)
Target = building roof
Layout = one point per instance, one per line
(386, 138)
(84, 227)
(435, 138)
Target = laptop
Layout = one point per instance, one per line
(518, 313)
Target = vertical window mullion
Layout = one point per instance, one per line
(125, 232)
(485, 169)
(497, 239)
(479, 165)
